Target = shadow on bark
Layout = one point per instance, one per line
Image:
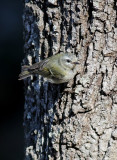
(39, 110)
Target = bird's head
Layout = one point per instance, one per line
(69, 60)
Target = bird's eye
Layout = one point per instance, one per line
(68, 60)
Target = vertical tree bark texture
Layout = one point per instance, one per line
(77, 121)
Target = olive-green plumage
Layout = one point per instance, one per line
(57, 69)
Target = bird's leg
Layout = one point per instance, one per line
(69, 88)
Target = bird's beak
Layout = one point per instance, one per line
(75, 63)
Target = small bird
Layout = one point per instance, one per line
(59, 68)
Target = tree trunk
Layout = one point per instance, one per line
(76, 121)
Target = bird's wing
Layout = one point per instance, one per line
(57, 72)
(48, 68)
(40, 68)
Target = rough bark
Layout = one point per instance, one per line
(76, 121)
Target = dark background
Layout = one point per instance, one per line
(11, 90)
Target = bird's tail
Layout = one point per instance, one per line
(25, 73)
